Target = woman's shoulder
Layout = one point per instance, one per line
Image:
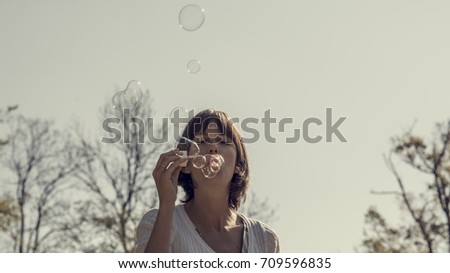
(259, 224)
(151, 214)
(263, 232)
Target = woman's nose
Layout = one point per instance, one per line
(213, 149)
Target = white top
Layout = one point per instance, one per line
(257, 238)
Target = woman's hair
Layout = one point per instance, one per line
(240, 181)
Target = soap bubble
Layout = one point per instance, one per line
(193, 66)
(214, 163)
(191, 17)
(128, 99)
(185, 143)
(199, 162)
(210, 164)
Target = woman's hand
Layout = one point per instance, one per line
(166, 174)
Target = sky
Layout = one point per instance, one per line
(380, 64)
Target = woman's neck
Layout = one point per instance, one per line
(210, 212)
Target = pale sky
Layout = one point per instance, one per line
(381, 64)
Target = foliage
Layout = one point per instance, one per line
(428, 211)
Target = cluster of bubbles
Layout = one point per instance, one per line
(209, 164)
(191, 18)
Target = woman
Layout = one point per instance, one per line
(207, 220)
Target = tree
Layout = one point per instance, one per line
(428, 211)
(258, 209)
(3, 119)
(8, 210)
(72, 193)
(117, 182)
(39, 160)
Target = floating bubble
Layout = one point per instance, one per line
(191, 17)
(129, 98)
(193, 66)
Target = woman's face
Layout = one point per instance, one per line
(212, 141)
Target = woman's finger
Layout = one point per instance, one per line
(166, 158)
(176, 164)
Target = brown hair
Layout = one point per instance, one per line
(240, 180)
